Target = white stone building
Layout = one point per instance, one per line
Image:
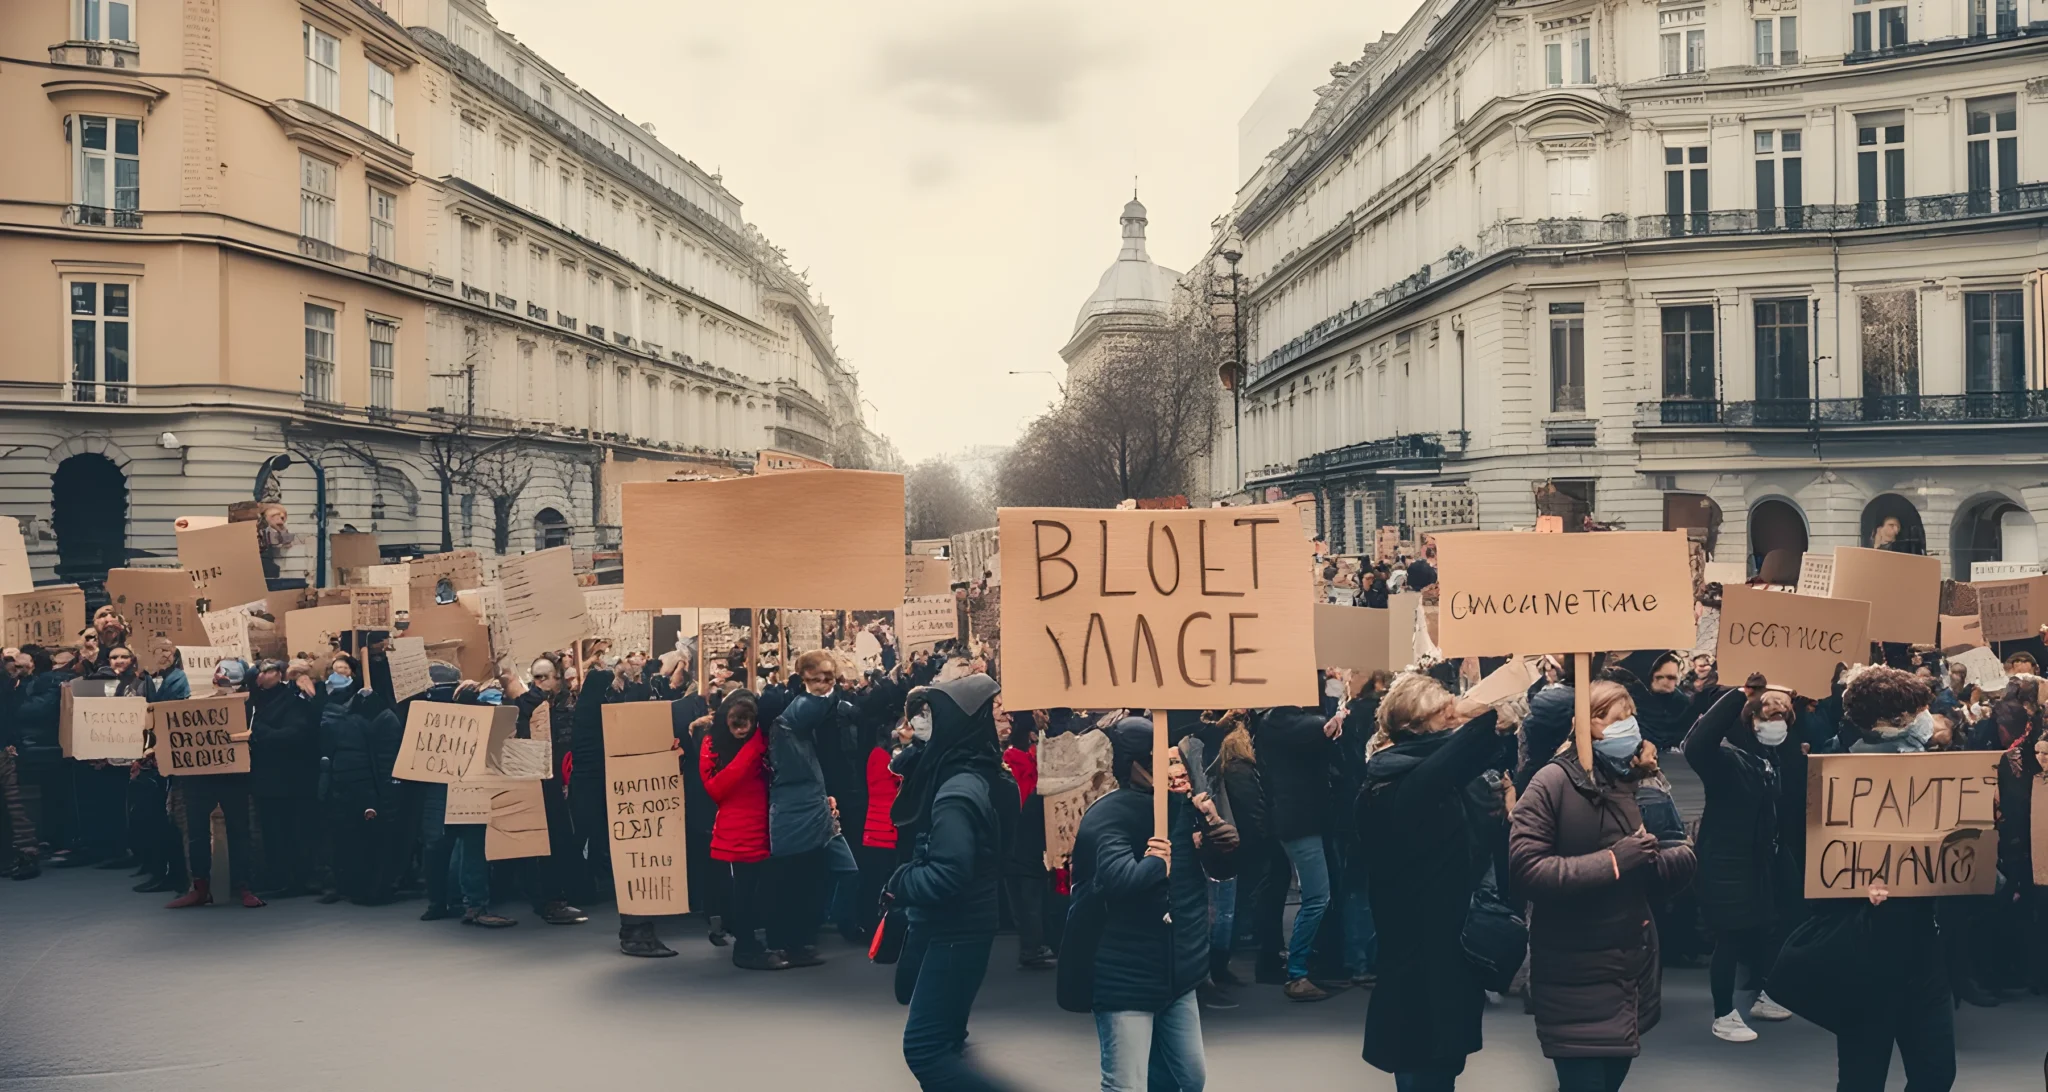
(1767, 267)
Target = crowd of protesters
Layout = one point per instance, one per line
(1411, 829)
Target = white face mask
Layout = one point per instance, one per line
(921, 727)
(1770, 733)
(1922, 728)
(1621, 739)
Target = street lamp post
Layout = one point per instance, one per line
(1236, 369)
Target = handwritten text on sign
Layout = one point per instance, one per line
(644, 795)
(1505, 593)
(201, 736)
(1793, 640)
(1188, 609)
(442, 740)
(1921, 824)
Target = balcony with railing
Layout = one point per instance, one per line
(536, 311)
(566, 322)
(321, 250)
(95, 216)
(1408, 450)
(1975, 408)
(97, 54)
(472, 294)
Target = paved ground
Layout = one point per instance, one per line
(100, 989)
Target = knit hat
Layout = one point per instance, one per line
(1130, 742)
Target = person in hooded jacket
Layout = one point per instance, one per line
(461, 845)
(1662, 707)
(734, 770)
(1156, 897)
(1732, 749)
(958, 809)
(800, 813)
(284, 779)
(1425, 846)
(202, 793)
(359, 739)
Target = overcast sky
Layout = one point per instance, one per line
(951, 172)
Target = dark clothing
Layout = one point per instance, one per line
(1665, 718)
(799, 818)
(746, 906)
(1907, 1003)
(1544, 730)
(284, 750)
(1751, 948)
(1145, 962)
(1738, 830)
(793, 901)
(1245, 792)
(359, 741)
(950, 885)
(1296, 760)
(949, 975)
(1591, 1074)
(229, 793)
(1423, 856)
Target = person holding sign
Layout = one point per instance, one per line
(359, 736)
(958, 807)
(101, 785)
(284, 777)
(2021, 795)
(1590, 869)
(230, 793)
(548, 880)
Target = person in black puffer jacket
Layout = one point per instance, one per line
(550, 880)
(284, 779)
(1244, 792)
(359, 738)
(1156, 896)
(1662, 709)
(958, 811)
(1298, 757)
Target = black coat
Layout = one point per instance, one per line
(1738, 835)
(1424, 856)
(1544, 730)
(35, 718)
(359, 741)
(1665, 718)
(949, 887)
(1298, 762)
(586, 745)
(1245, 791)
(1144, 963)
(284, 744)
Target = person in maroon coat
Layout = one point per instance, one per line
(735, 769)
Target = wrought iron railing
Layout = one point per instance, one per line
(95, 216)
(1980, 407)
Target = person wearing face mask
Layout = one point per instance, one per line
(1733, 749)
(202, 793)
(359, 739)
(443, 844)
(800, 813)
(549, 880)
(284, 776)
(1581, 855)
(734, 766)
(101, 785)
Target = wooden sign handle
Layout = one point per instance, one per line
(753, 647)
(703, 677)
(1159, 784)
(1582, 698)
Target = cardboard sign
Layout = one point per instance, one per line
(1961, 633)
(1200, 609)
(927, 620)
(407, 657)
(927, 576)
(353, 550)
(517, 822)
(1550, 525)
(736, 558)
(454, 633)
(1073, 773)
(1982, 668)
(1062, 825)
(1504, 594)
(462, 569)
(201, 736)
(770, 461)
(469, 804)
(1903, 590)
(1794, 641)
(1725, 573)
(108, 728)
(317, 630)
(804, 630)
(610, 621)
(2003, 570)
(370, 608)
(195, 523)
(198, 662)
(16, 575)
(2012, 610)
(1816, 574)
(396, 577)
(50, 617)
(1386, 543)
(157, 604)
(543, 605)
(228, 630)
(223, 564)
(644, 800)
(1363, 638)
(443, 740)
(1921, 824)
(985, 614)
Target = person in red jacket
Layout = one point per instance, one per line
(877, 854)
(735, 768)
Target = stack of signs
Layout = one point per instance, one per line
(407, 657)
(1920, 824)
(50, 617)
(201, 736)
(1903, 590)
(644, 799)
(1794, 641)
(609, 621)
(926, 620)
(223, 563)
(543, 605)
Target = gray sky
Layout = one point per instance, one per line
(951, 172)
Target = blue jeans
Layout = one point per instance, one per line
(949, 974)
(439, 843)
(1306, 854)
(1222, 915)
(1148, 1052)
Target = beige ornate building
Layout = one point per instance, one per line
(388, 241)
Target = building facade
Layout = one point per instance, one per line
(1132, 302)
(387, 241)
(1769, 269)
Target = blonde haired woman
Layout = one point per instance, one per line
(1582, 857)
(1423, 840)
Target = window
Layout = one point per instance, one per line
(1689, 353)
(319, 353)
(1994, 17)
(1880, 167)
(105, 21)
(1890, 324)
(504, 266)
(383, 361)
(316, 199)
(1780, 184)
(323, 67)
(537, 185)
(472, 242)
(1682, 40)
(1568, 53)
(1568, 357)
(1571, 185)
(383, 225)
(1994, 354)
(565, 286)
(1786, 50)
(1685, 189)
(1781, 351)
(383, 102)
(1994, 154)
(622, 309)
(109, 172)
(536, 275)
(99, 341)
(565, 197)
(503, 181)
(547, 96)
(593, 301)
(1877, 24)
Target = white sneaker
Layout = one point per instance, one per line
(1731, 1028)
(1767, 1009)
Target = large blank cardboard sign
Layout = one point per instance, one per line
(644, 796)
(2012, 610)
(462, 569)
(1200, 609)
(1792, 640)
(1504, 593)
(317, 631)
(1364, 638)
(1921, 824)
(740, 543)
(223, 563)
(50, 617)
(201, 736)
(445, 742)
(1903, 590)
(543, 605)
(16, 575)
(158, 604)
(353, 550)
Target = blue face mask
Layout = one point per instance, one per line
(493, 696)
(337, 682)
(1620, 740)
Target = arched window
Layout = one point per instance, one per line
(1890, 522)
(549, 529)
(1776, 527)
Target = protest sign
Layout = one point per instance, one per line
(1816, 574)
(1982, 668)
(1550, 525)
(1725, 573)
(370, 607)
(469, 804)
(1073, 772)
(442, 740)
(108, 728)
(223, 563)
(927, 576)
(543, 604)
(804, 630)
(157, 604)
(1793, 640)
(1903, 590)
(1505, 593)
(1508, 681)
(1921, 824)
(860, 566)
(461, 569)
(1960, 633)
(1062, 823)
(610, 621)
(926, 620)
(16, 575)
(195, 523)
(317, 630)
(1363, 638)
(2003, 570)
(985, 613)
(454, 633)
(2012, 610)
(50, 617)
(644, 796)
(1195, 609)
(517, 822)
(228, 630)
(396, 577)
(352, 550)
(198, 662)
(201, 736)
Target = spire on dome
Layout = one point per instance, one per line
(1133, 221)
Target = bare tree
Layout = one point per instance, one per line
(502, 474)
(939, 502)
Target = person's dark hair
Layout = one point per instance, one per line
(1884, 695)
(724, 745)
(2012, 718)
(38, 658)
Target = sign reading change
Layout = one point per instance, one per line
(1921, 824)
(1505, 593)
(1197, 609)
(1792, 640)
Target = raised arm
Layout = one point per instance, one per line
(1467, 755)
(1703, 744)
